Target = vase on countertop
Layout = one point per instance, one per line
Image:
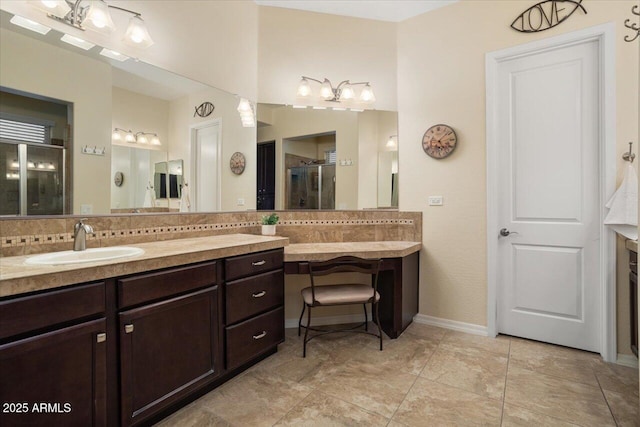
(269, 230)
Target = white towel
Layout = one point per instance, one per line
(623, 206)
(185, 203)
(149, 198)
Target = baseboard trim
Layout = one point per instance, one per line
(454, 325)
(327, 320)
(627, 360)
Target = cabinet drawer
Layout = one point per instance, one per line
(248, 265)
(252, 295)
(254, 336)
(34, 312)
(161, 284)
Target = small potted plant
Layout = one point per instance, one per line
(269, 224)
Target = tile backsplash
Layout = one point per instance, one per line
(26, 236)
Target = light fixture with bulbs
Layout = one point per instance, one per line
(120, 134)
(95, 15)
(344, 91)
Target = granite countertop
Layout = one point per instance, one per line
(16, 277)
(632, 245)
(324, 251)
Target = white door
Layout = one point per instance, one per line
(206, 168)
(547, 143)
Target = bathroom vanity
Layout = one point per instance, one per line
(139, 336)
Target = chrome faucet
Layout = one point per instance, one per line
(80, 231)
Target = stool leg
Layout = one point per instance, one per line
(377, 321)
(366, 318)
(306, 332)
(304, 305)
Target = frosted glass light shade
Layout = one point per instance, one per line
(137, 33)
(56, 8)
(367, 94)
(347, 92)
(130, 137)
(326, 91)
(304, 88)
(98, 17)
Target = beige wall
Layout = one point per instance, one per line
(214, 42)
(441, 69)
(295, 43)
(21, 63)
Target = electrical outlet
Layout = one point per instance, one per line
(241, 202)
(436, 201)
(86, 209)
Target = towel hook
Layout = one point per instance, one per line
(629, 157)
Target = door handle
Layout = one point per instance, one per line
(505, 232)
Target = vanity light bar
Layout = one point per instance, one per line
(29, 24)
(113, 54)
(77, 42)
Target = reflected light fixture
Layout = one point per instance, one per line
(344, 91)
(392, 142)
(138, 137)
(247, 116)
(15, 164)
(95, 15)
(29, 24)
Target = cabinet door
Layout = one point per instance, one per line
(55, 379)
(168, 349)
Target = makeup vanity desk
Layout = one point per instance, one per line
(397, 280)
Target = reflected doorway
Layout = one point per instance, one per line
(206, 171)
(266, 179)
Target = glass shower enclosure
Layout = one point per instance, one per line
(311, 187)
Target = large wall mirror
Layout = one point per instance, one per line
(115, 128)
(328, 158)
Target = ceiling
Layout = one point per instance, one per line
(381, 10)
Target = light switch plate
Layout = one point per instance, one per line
(436, 201)
(240, 202)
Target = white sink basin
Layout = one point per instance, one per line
(89, 255)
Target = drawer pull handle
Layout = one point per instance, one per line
(258, 263)
(128, 328)
(633, 264)
(260, 336)
(101, 337)
(259, 294)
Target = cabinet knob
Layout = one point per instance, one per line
(260, 336)
(128, 328)
(259, 294)
(257, 263)
(101, 337)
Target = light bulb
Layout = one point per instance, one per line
(40, 165)
(116, 136)
(304, 88)
(51, 167)
(367, 94)
(347, 92)
(99, 17)
(141, 139)
(15, 164)
(137, 33)
(155, 140)
(31, 165)
(244, 106)
(326, 91)
(129, 137)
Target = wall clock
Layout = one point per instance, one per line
(237, 163)
(439, 141)
(118, 179)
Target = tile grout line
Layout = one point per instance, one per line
(604, 396)
(504, 391)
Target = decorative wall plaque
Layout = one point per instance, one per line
(205, 109)
(546, 14)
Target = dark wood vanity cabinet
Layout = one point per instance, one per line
(254, 305)
(171, 347)
(53, 358)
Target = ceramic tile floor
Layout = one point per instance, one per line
(427, 377)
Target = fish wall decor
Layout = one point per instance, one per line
(546, 14)
(204, 110)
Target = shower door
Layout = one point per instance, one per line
(31, 179)
(311, 187)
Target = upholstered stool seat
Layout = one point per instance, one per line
(340, 294)
(326, 295)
